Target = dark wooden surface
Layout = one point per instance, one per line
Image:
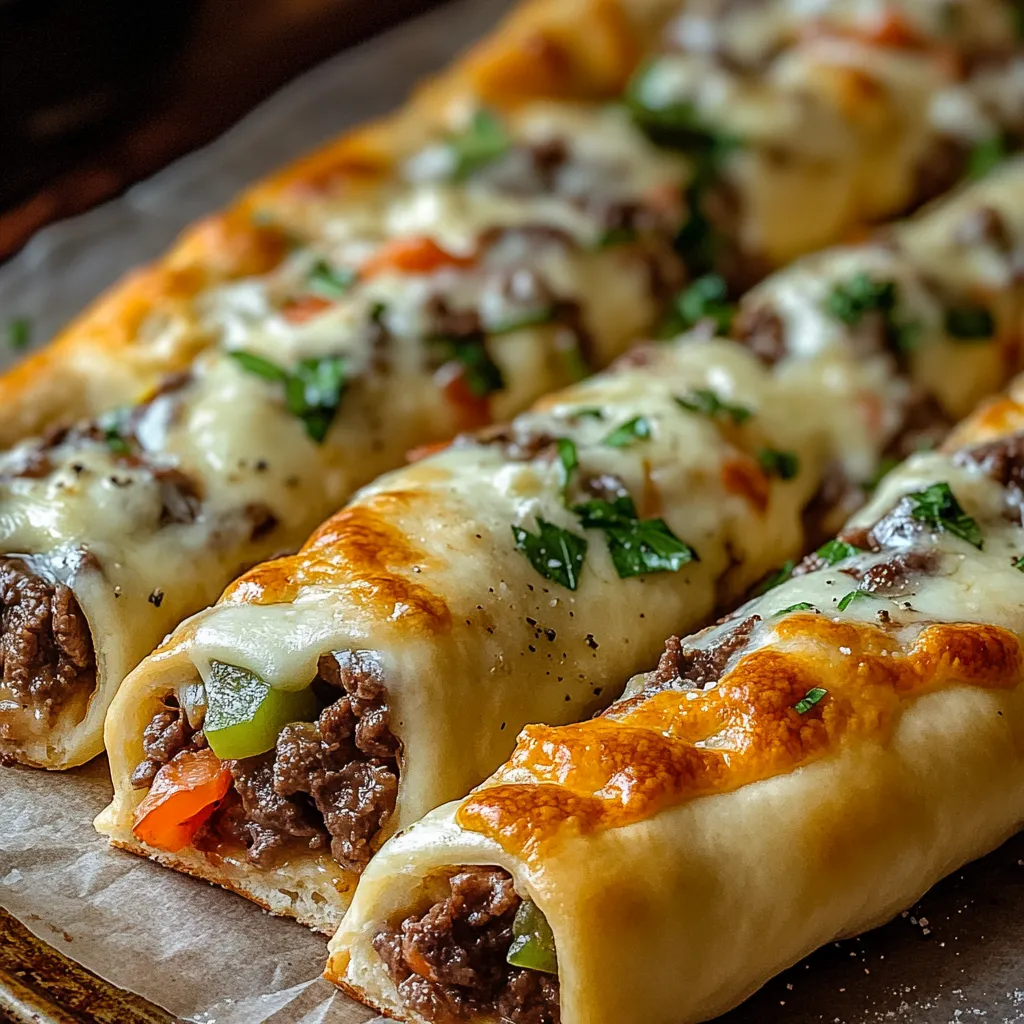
(38, 985)
(238, 53)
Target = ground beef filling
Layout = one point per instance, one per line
(329, 783)
(683, 667)
(449, 963)
(46, 654)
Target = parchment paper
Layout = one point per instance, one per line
(209, 956)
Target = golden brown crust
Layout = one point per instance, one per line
(643, 755)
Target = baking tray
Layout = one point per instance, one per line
(956, 957)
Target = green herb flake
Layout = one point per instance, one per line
(114, 425)
(312, 391)
(773, 579)
(970, 323)
(19, 333)
(1018, 563)
(521, 321)
(784, 465)
(481, 142)
(636, 429)
(257, 365)
(568, 458)
(707, 298)
(708, 403)
(937, 506)
(555, 553)
(616, 236)
(809, 699)
(482, 374)
(850, 301)
(853, 595)
(800, 606)
(835, 551)
(328, 281)
(986, 156)
(589, 412)
(637, 546)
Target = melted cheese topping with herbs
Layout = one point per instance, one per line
(847, 754)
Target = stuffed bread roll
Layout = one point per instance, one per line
(843, 111)
(796, 774)
(494, 240)
(509, 578)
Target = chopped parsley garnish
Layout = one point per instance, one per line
(568, 458)
(19, 333)
(482, 374)
(986, 156)
(313, 393)
(616, 236)
(809, 699)
(853, 595)
(555, 553)
(800, 606)
(773, 579)
(636, 429)
(1018, 563)
(709, 403)
(114, 426)
(637, 546)
(970, 323)
(834, 551)
(784, 465)
(328, 281)
(482, 141)
(851, 300)
(528, 318)
(707, 298)
(312, 390)
(679, 125)
(937, 506)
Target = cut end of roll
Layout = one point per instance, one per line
(47, 666)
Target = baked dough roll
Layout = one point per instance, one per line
(519, 575)
(501, 236)
(844, 112)
(322, 377)
(798, 773)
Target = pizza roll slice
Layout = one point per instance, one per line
(519, 575)
(798, 773)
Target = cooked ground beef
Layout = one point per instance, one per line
(449, 963)
(180, 495)
(1001, 460)
(924, 425)
(985, 225)
(940, 169)
(760, 328)
(890, 576)
(333, 781)
(46, 652)
(684, 667)
(167, 734)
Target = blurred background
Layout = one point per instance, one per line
(97, 94)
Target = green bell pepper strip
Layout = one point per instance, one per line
(533, 946)
(244, 714)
